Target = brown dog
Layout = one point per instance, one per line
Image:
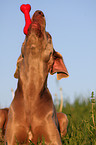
(3, 119)
(62, 118)
(32, 113)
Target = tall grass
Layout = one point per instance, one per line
(82, 122)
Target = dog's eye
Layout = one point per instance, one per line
(50, 54)
(22, 55)
(47, 55)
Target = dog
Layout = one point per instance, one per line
(3, 120)
(32, 113)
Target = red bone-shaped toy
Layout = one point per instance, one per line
(26, 9)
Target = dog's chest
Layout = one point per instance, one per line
(39, 110)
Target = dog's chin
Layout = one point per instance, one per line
(36, 26)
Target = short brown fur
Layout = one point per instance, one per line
(3, 119)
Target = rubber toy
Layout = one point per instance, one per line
(25, 8)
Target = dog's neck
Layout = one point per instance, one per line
(33, 84)
(34, 70)
(34, 77)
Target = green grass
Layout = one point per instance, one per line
(82, 123)
(81, 128)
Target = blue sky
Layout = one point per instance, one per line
(72, 25)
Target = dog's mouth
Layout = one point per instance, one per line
(38, 21)
(34, 27)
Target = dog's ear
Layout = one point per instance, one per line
(59, 66)
(16, 74)
(20, 58)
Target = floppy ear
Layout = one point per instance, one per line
(59, 66)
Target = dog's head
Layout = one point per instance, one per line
(38, 48)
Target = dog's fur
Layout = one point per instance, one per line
(32, 113)
(3, 119)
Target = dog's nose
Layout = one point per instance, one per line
(38, 13)
(41, 13)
